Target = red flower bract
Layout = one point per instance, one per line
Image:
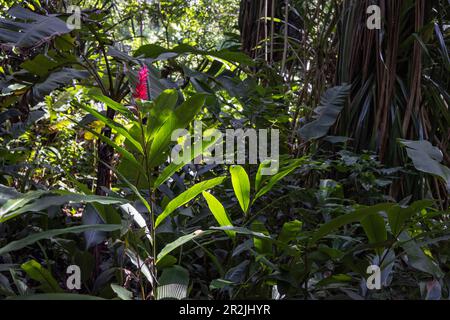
(140, 91)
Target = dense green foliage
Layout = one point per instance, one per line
(87, 177)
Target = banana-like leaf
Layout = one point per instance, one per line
(30, 29)
(56, 80)
(331, 105)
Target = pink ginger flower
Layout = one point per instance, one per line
(140, 91)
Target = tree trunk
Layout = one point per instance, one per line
(106, 156)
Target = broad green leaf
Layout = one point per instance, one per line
(375, 229)
(180, 241)
(219, 212)
(262, 245)
(33, 238)
(154, 51)
(241, 186)
(36, 272)
(162, 108)
(150, 51)
(166, 262)
(290, 231)
(347, 218)
(57, 79)
(121, 292)
(427, 158)
(397, 215)
(187, 196)
(179, 119)
(417, 258)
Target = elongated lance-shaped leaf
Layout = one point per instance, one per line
(187, 196)
(180, 241)
(241, 186)
(266, 187)
(19, 201)
(112, 104)
(218, 212)
(58, 200)
(49, 234)
(347, 218)
(121, 292)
